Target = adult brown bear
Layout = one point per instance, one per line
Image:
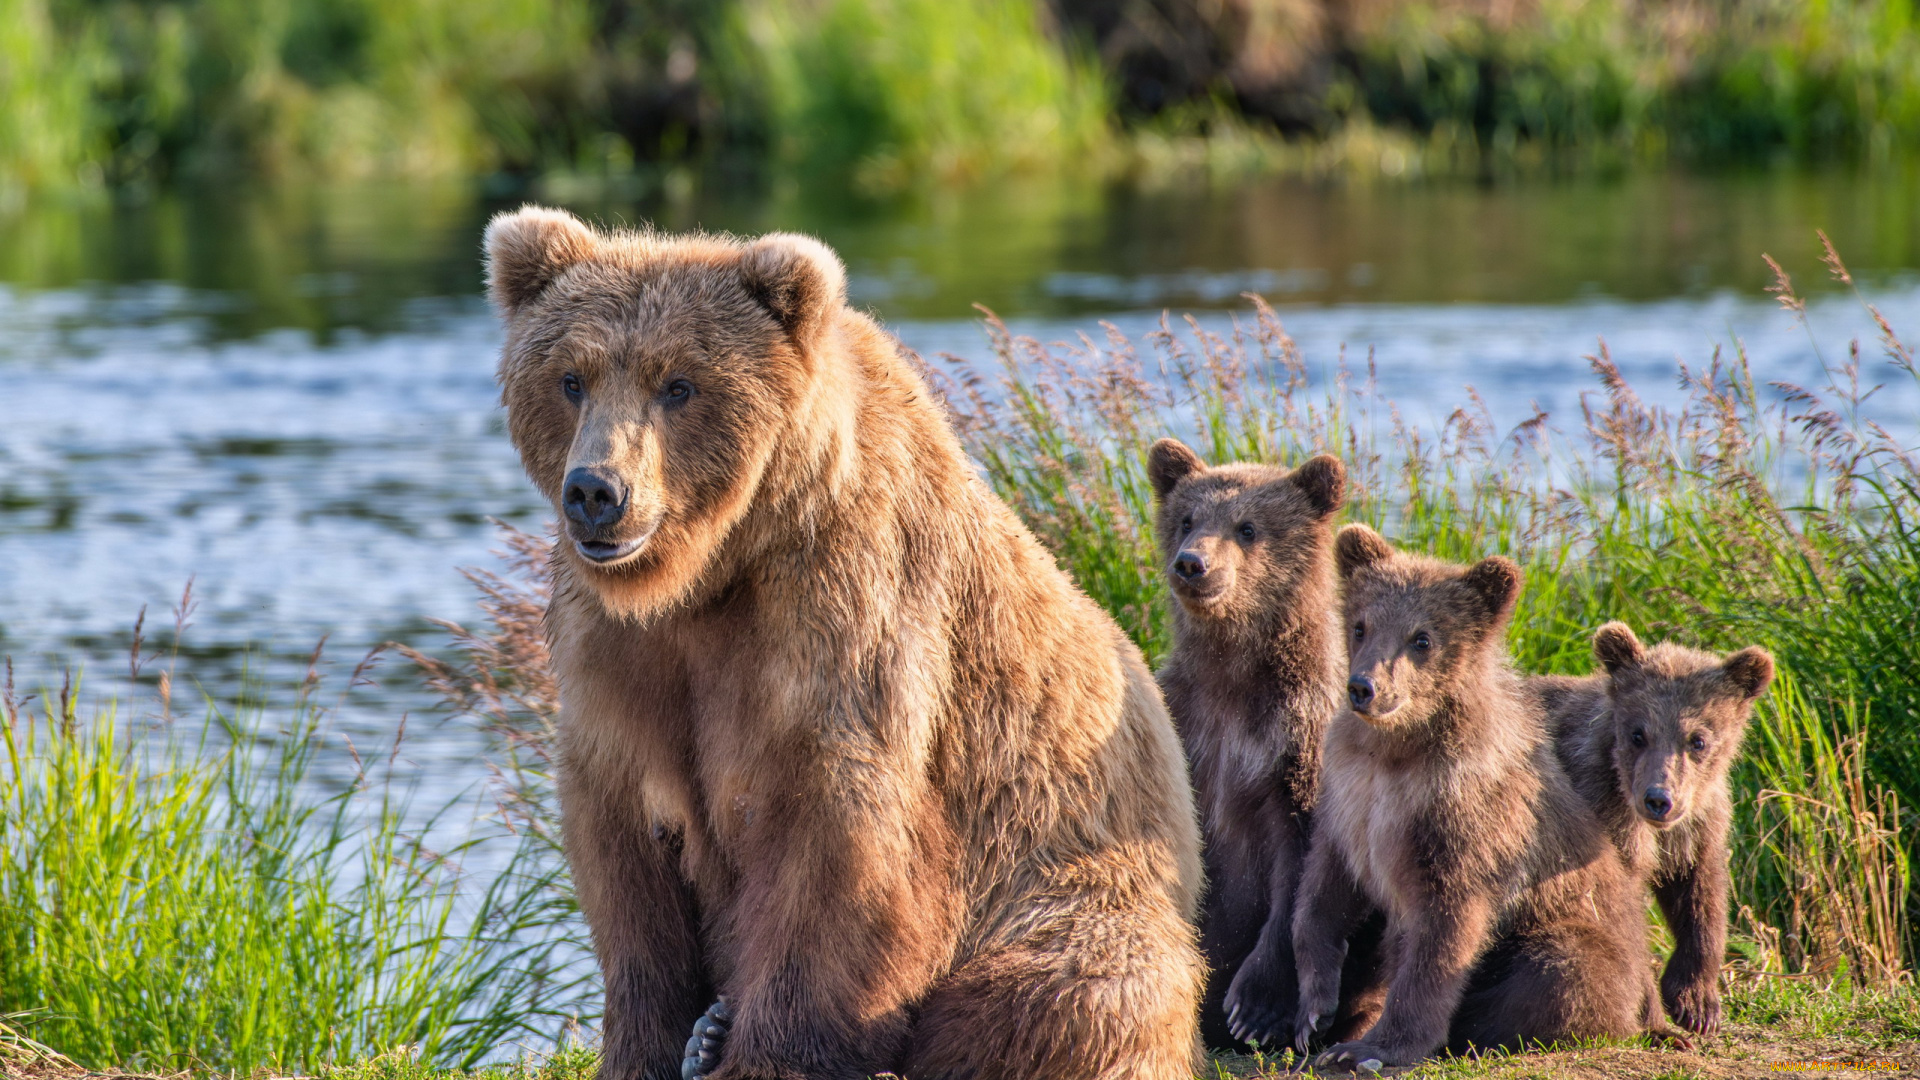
(840, 742)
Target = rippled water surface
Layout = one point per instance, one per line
(287, 397)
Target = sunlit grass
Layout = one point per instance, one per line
(171, 902)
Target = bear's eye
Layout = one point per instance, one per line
(677, 392)
(571, 386)
(1246, 530)
(1359, 631)
(1422, 642)
(1699, 743)
(1186, 525)
(1639, 737)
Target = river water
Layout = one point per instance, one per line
(286, 396)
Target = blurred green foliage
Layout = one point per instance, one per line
(1639, 77)
(141, 91)
(147, 90)
(137, 91)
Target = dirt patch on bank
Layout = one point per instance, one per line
(1741, 1052)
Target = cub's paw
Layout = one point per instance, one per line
(1363, 1058)
(1695, 1008)
(1669, 1037)
(703, 1049)
(1257, 1008)
(1312, 1018)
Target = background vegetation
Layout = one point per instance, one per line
(138, 91)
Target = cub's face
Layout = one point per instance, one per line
(1239, 537)
(1414, 624)
(1679, 715)
(648, 382)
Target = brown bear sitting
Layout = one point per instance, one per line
(840, 742)
(1255, 673)
(1648, 744)
(1510, 917)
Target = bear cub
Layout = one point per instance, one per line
(1254, 675)
(1648, 742)
(1510, 916)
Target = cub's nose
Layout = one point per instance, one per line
(1189, 565)
(593, 497)
(1360, 692)
(1659, 803)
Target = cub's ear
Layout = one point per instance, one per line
(1496, 580)
(529, 247)
(1324, 479)
(1750, 671)
(1357, 546)
(798, 279)
(1616, 648)
(1169, 462)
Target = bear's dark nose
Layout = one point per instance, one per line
(1360, 692)
(594, 497)
(1659, 803)
(1189, 565)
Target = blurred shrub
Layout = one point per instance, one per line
(899, 87)
(141, 90)
(1641, 77)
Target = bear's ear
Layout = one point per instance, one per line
(1324, 480)
(1169, 462)
(1617, 649)
(1750, 671)
(529, 247)
(1496, 581)
(797, 278)
(1357, 546)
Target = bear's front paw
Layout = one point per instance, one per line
(703, 1049)
(1312, 1017)
(1258, 1007)
(1355, 1057)
(1672, 1038)
(1696, 1008)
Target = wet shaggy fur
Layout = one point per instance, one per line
(1648, 743)
(839, 740)
(1255, 673)
(1510, 917)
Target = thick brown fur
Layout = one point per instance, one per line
(1255, 673)
(1664, 724)
(839, 740)
(1511, 919)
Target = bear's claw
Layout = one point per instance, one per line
(703, 1048)
(1353, 1057)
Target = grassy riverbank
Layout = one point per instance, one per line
(1770, 1024)
(258, 901)
(899, 91)
(260, 896)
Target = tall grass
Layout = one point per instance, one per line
(169, 902)
(1726, 523)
